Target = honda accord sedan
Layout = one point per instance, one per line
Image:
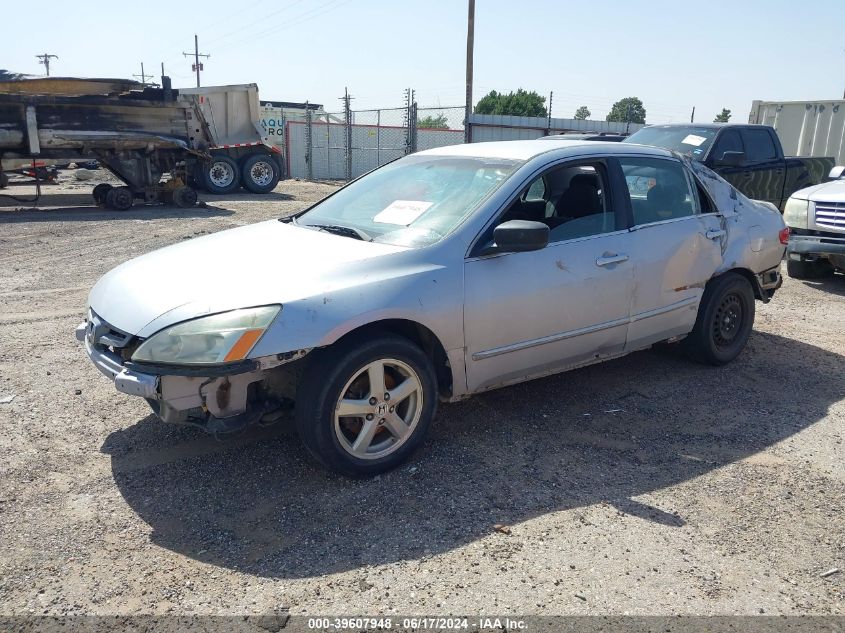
(440, 275)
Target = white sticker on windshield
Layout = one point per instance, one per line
(402, 212)
(692, 139)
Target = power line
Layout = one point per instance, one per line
(197, 65)
(45, 60)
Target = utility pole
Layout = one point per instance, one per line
(470, 47)
(549, 123)
(197, 66)
(45, 59)
(692, 116)
(143, 76)
(347, 133)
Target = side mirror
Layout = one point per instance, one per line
(837, 172)
(730, 159)
(518, 236)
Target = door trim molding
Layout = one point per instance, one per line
(554, 338)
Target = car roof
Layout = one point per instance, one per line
(526, 150)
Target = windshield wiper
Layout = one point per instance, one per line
(345, 231)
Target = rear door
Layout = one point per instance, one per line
(676, 246)
(764, 168)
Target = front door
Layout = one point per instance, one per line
(531, 313)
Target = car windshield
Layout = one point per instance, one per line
(414, 201)
(688, 140)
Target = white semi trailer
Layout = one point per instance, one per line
(805, 128)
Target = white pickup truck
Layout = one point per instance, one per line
(816, 220)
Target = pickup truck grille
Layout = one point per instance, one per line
(830, 215)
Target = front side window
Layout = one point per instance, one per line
(658, 188)
(729, 141)
(759, 146)
(415, 201)
(574, 202)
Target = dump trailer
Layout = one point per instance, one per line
(139, 133)
(241, 151)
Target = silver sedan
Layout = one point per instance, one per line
(443, 274)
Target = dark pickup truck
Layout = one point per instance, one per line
(750, 157)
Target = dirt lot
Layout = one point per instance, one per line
(645, 485)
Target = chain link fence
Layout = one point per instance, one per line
(344, 145)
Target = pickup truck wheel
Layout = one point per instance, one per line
(724, 321)
(260, 173)
(221, 175)
(816, 269)
(362, 408)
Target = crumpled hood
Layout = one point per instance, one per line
(260, 264)
(833, 191)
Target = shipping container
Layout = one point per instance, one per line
(805, 128)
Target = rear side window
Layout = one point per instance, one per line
(659, 189)
(759, 145)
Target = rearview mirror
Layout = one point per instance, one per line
(837, 172)
(730, 159)
(517, 236)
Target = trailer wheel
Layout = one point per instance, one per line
(221, 175)
(184, 197)
(119, 198)
(99, 193)
(260, 173)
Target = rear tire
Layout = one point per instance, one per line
(99, 193)
(221, 175)
(184, 197)
(382, 429)
(724, 322)
(119, 198)
(816, 269)
(260, 173)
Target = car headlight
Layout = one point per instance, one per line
(210, 340)
(795, 213)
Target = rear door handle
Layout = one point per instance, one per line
(714, 234)
(607, 260)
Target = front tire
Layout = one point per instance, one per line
(221, 175)
(363, 407)
(724, 322)
(816, 269)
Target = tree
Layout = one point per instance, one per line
(8, 75)
(432, 122)
(627, 110)
(582, 114)
(723, 117)
(519, 103)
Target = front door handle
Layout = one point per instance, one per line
(714, 234)
(607, 260)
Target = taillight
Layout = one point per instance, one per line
(784, 235)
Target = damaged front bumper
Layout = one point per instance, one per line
(220, 393)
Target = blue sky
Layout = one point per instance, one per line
(672, 55)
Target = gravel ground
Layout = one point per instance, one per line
(645, 485)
